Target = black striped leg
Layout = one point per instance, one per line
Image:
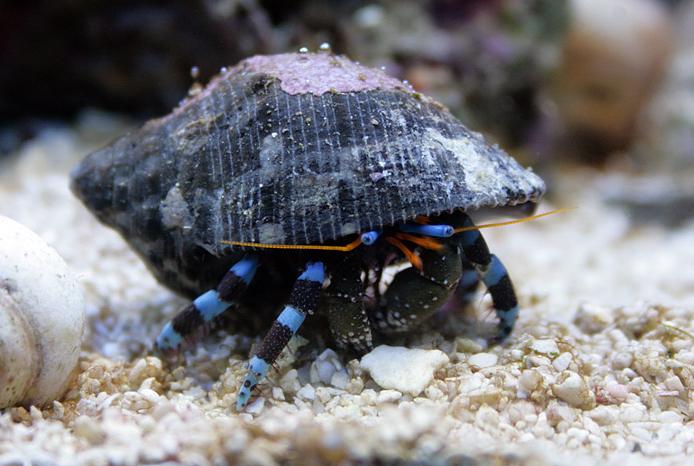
(467, 286)
(344, 306)
(302, 301)
(414, 296)
(494, 276)
(208, 305)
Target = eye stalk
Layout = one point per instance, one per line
(435, 231)
(370, 237)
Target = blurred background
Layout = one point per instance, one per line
(607, 84)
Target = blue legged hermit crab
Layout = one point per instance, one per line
(311, 165)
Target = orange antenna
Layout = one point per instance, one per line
(424, 242)
(513, 222)
(316, 247)
(411, 256)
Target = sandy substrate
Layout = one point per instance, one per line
(598, 371)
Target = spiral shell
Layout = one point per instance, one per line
(41, 318)
(289, 149)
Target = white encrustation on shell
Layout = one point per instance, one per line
(406, 370)
(42, 318)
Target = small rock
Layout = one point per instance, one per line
(686, 357)
(403, 369)
(482, 360)
(573, 389)
(256, 406)
(529, 380)
(387, 396)
(290, 382)
(561, 362)
(667, 417)
(323, 371)
(307, 392)
(277, 393)
(592, 319)
(674, 383)
(340, 379)
(548, 347)
(465, 345)
(621, 361)
(602, 415)
(618, 391)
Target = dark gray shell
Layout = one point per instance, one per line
(292, 148)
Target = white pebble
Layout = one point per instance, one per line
(618, 391)
(256, 406)
(403, 369)
(548, 347)
(561, 362)
(388, 396)
(529, 380)
(482, 360)
(602, 415)
(324, 371)
(621, 360)
(340, 379)
(307, 392)
(573, 389)
(592, 319)
(668, 417)
(674, 383)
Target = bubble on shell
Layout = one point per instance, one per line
(325, 47)
(194, 72)
(303, 50)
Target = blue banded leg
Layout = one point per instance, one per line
(302, 301)
(414, 296)
(494, 276)
(467, 286)
(208, 305)
(344, 307)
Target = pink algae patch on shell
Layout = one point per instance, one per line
(318, 73)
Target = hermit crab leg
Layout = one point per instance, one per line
(208, 305)
(493, 274)
(414, 295)
(303, 300)
(467, 286)
(344, 306)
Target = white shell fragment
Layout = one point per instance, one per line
(482, 360)
(41, 318)
(403, 369)
(548, 347)
(573, 389)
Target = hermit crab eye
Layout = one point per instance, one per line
(369, 237)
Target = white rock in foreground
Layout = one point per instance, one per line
(41, 318)
(573, 389)
(403, 369)
(483, 360)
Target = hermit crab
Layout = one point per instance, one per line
(309, 164)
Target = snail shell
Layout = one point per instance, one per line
(289, 149)
(41, 318)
